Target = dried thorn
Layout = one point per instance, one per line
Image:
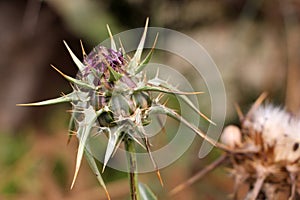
(107, 194)
(152, 159)
(82, 49)
(159, 97)
(257, 103)
(159, 177)
(165, 103)
(199, 175)
(206, 118)
(239, 112)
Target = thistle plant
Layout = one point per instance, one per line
(112, 96)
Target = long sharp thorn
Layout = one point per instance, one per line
(147, 144)
(62, 99)
(60, 72)
(138, 53)
(206, 118)
(257, 103)
(159, 177)
(78, 63)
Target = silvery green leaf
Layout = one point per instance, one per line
(84, 129)
(62, 99)
(78, 63)
(95, 169)
(113, 138)
(112, 41)
(120, 105)
(146, 193)
(147, 59)
(74, 80)
(134, 62)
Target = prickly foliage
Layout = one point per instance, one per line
(112, 96)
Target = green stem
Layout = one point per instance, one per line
(132, 167)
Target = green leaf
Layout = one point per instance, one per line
(62, 99)
(78, 63)
(146, 193)
(147, 59)
(71, 97)
(95, 169)
(113, 75)
(74, 80)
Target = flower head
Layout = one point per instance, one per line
(111, 96)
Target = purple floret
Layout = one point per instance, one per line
(100, 57)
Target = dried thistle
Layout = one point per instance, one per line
(264, 153)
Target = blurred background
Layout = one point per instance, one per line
(254, 43)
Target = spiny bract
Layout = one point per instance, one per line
(112, 95)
